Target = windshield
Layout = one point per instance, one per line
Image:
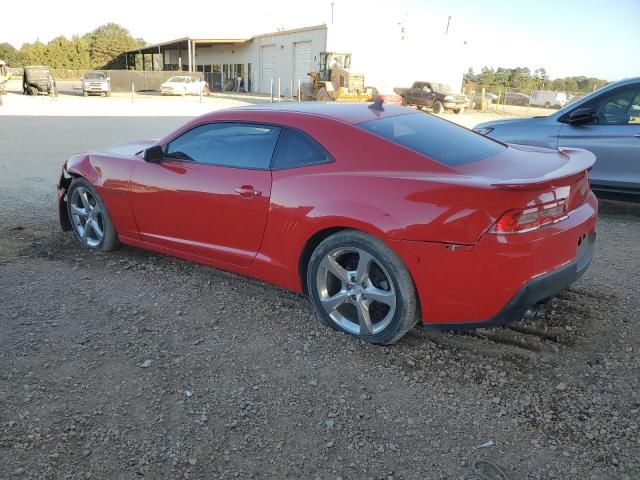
(177, 79)
(441, 87)
(95, 75)
(434, 138)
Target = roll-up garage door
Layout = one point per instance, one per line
(268, 67)
(302, 62)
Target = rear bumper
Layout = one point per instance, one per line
(538, 291)
(499, 278)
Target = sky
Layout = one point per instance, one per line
(595, 38)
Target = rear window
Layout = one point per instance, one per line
(435, 138)
(296, 149)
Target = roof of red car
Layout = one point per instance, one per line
(347, 112)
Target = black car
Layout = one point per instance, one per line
(514, 98)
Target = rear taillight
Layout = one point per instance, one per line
(578, 194)
(529, 219)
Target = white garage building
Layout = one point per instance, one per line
(251, 64)
(382, 50)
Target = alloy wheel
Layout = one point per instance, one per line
(87, 216)
(356, 291)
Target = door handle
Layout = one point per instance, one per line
(247, 191)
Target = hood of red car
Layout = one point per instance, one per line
(132, 147)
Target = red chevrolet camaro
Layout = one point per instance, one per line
(383, 215)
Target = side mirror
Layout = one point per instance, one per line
(581, 116)
(154, 154)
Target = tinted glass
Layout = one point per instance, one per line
(441, 87)
(620, 108)
(177, 80)
(435, 138)
(227, 144)
(297, 149)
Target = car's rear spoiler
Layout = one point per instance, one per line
(578, 162)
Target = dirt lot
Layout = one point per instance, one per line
(132, 364)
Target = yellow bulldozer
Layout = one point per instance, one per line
(334, 81)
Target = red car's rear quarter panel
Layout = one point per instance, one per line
(474, 284)
(373, 186)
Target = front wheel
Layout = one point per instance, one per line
(438, 107)
(323, 95)
(89, 217)
(459, 110)
(359, 286)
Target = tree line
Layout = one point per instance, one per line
(524, 78)
(100, 49)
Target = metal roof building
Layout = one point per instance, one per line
(277, 60)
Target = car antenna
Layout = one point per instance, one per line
(377, 105)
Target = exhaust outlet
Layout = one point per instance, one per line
(535, 311)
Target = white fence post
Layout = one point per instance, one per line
(299, 93)
(278, 88)
(133, 90)
(272, 90)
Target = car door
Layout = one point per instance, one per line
(210, 194)
(188, 85)
(428, 96)
(614, 137)
(415, 94)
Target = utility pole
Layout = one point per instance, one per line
(332, 4)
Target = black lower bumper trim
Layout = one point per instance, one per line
(539, 290)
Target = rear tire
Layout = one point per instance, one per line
(547, 105)
(359, 286)
(89, 217)
(438, 107)
(32, 91)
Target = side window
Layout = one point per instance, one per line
(240, 145)
(620, 108)
(297, 149)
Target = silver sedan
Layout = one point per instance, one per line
(606, 122)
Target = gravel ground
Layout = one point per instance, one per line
(132, 364)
